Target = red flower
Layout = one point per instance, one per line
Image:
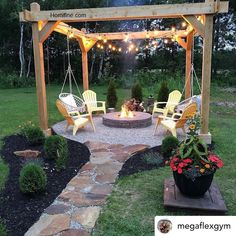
(180, 171)
(216, 160)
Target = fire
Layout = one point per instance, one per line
(125, 112)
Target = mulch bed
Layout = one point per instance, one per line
(137, 162)
(19, 211)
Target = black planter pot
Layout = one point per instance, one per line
(190, 188)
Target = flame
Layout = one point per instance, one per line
(125, 112)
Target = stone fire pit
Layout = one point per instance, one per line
(140, 120)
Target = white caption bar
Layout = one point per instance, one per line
(195, 225)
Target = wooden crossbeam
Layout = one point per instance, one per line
(47, 30)
(139, 35)
(181, 42)
(196, 24)
(127, 13)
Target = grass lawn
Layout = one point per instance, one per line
(138, 198)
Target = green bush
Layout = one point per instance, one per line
(169, 143)
(136, 92)
(32, 179)
(14, 81)
(56, 148)
(62, 156)
(3, 230)
(111, 95)
(32, 133)
(163, 94)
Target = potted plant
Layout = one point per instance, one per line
(193, 164)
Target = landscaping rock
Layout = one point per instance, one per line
(100, 157)
(75, 232)
(87, 216)
(49, 225)
(96, 145)
(132, 149)
(57, 209)
(27, 153)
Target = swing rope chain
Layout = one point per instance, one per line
(69, 72)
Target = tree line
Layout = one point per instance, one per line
(16, 53)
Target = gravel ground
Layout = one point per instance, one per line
(114, 135)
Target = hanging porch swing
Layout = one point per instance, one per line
(72, 102)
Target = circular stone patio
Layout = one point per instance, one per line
(112, 135)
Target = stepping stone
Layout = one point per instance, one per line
(49, 225)
(106, 178)
(81, 181)
(81, 200)
(100, 157)
(75, 232)
(96, 145)
(121, 157)
(87, 216)
(109, 168)
(132, 149)
(57, 209)
(115, 147)
(87, 166)
(212, 201)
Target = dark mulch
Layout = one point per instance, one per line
(19, 211)
(137, 162)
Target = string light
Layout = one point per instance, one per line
(166, 41)
(147, 35)
(110, 46)
(173, 39)
(146, 47)
(113, 48)
(71, 34)
(131, 46)
(183, 24)
(99, 37)
(102, 46)
(105, 40)
(119, 49)
(126, 37)
(136, 49)
(173, 29)
(98, 45)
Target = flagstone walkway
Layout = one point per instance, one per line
(76, 209)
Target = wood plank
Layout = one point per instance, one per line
(188, 65)
(128, 13)
(181, 42)
(206, 73)
(85, 70)
(196, 24)
(211, 202)
(39, 73)
(47, 30)
(139, 35)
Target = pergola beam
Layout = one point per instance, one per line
(139, 35)
(127, 13)
(47, 30)
(196, 24)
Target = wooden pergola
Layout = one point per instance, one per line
(198, 16)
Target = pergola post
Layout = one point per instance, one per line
(39, 71)
(188, 65)
(85, 70)
(206, 73)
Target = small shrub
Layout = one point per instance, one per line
(32, 133)
(51, 146)
(56, 148)
(111, 95)
(3, 230)
(163, 94)
(169, 143)
(136, 92)
(32, 179)
(62, 156)
(152, 158)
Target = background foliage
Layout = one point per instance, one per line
(16, 54)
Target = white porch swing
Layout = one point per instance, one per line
(193, 98)
(72, 102)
